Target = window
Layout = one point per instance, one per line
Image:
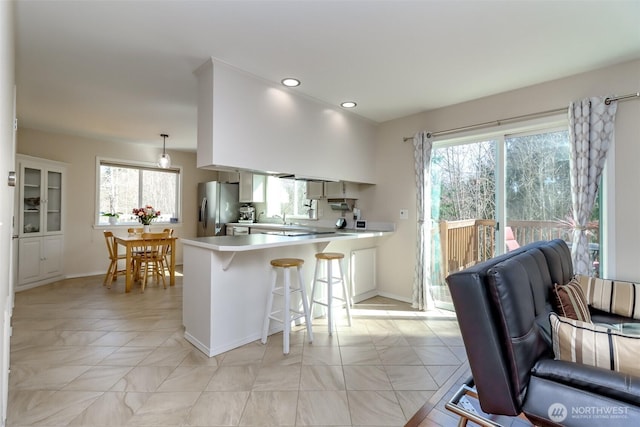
(288, 197)
(528, 191)
(499, 184)
(538, 188)
(123, 186)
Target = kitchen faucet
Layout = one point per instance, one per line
(283, 216)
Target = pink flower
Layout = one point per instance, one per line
(146, 214)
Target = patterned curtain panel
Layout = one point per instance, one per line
(591, 126)
(422, 277)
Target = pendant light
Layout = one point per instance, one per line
(165, 160)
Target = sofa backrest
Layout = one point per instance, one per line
(558, 257)
(500, 304)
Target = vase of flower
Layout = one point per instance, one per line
(145, 215)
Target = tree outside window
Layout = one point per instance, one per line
(287, 197)
(123, 187)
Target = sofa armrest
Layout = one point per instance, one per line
(614, 385)
(626, 325)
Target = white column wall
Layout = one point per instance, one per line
(248, 123)
(7, 153)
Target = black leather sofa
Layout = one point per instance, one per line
(502, 307)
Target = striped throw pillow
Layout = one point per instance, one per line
(594, 345)
(570, 301)
(616, 297)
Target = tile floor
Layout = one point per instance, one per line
(84, 355)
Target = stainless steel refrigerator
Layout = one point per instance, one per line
(218, 205)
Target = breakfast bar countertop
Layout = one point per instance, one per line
(225, 283)
(250, 242)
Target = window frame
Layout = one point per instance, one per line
(178, 170)
(499, 133)
(271, 212)
(606, 190)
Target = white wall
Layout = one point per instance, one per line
(7, 81)
(84, 246)
(395, 187)
(248, 123)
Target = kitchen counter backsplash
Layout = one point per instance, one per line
(371, 225)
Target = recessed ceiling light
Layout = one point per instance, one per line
(348, 104)
(290, 82)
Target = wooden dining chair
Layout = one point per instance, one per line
(112, 272)
(167, 252)
(135, 230)
(149, 258)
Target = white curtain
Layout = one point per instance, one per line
(591, 130)
(422, 277)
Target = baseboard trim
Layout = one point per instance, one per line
(394, 296)
(27, 286)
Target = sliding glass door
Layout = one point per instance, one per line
(538, 190)
(492, 195)
(463, 202)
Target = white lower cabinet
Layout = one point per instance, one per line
(39, 259)
(363, 274)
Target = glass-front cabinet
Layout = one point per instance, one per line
(54, 202)
(40, 214)
(31, 200)
(40, 199)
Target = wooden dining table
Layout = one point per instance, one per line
(133, 240)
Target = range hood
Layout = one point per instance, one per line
(306, 178)
(341, 204)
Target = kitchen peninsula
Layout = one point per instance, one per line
(226, 281)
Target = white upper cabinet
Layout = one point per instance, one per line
(315, 190)
(341, 190)
(252, 187)
(40, 203)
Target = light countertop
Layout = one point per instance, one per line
(250, 242)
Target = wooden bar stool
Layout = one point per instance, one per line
(286, 314)
(330, 280)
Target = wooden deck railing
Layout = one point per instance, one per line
(466, 242)
(532, 231)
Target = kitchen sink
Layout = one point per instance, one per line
(306, 233)
(295, 233)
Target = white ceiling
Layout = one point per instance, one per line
(123, 70)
